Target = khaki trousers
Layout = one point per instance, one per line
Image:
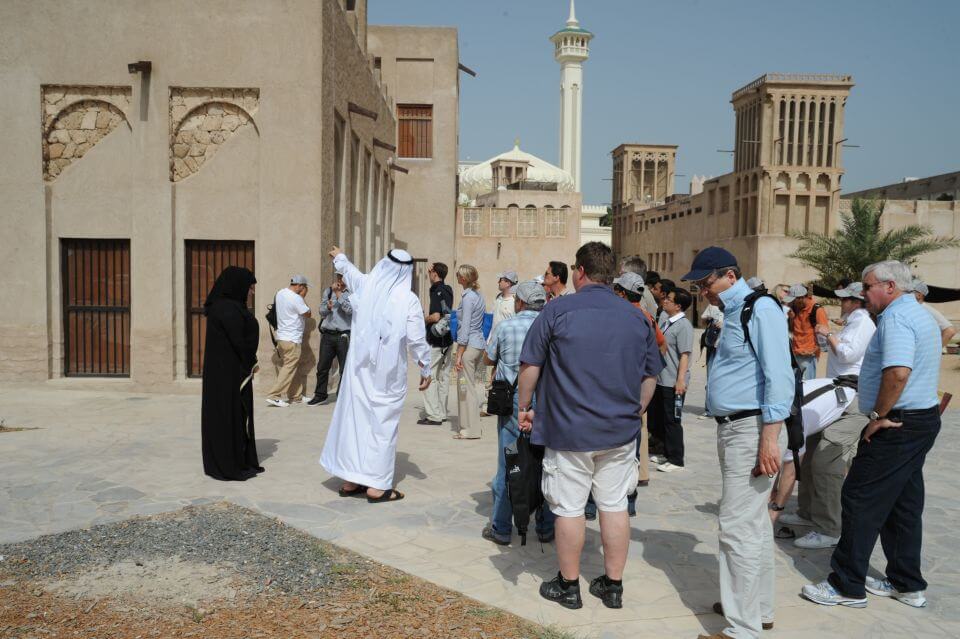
(746, 533)
(435, 397)
(468, 393)
(289, 360)
(643, 454)
(823, 470)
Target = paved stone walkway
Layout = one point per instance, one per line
(100, 457)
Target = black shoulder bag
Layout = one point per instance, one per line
(500, 397)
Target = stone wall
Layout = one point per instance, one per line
(75, 118)
(203, 119)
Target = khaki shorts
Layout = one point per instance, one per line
(569, 477)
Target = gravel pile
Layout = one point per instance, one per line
(272, 555)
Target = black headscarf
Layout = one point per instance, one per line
(233, 284)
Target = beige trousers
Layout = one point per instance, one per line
(289, 360)
(644, 453)
(468, 393)
(435, 397)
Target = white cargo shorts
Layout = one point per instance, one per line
(570, 476)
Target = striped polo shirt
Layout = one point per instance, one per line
(906, 336)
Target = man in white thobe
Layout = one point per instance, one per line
(387, 322)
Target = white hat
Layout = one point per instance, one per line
(797, 290)
(853, 289)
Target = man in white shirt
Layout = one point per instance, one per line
(292, 314)
(947, 331)
(830, 452)
(503, 305)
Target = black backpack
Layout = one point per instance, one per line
(524, 461)
(794, 422)
(272, 318)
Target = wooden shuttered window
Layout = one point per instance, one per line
(95, 277)
(205, 260)
(415, 134)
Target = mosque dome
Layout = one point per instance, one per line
(478, 179)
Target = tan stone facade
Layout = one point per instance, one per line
(787, 171)
(943, 188)
(254, 125)
(517, 230)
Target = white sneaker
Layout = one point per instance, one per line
(793, 519)
(883, 588)
(658, 459)
(826, 595)
(304, 400)
(667, 467)
(279, 403)
(813, 539)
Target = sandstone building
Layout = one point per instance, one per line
(421, 67)
(787, 165)
(518, 213)
(146, 152)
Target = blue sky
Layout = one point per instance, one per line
(663, 71)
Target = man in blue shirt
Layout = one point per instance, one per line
(883, 493)
(503, 351)
(750, 392)
(593, 359)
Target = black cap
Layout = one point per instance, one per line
(707, 261)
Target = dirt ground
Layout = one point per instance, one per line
(381, 604)
(169, 596)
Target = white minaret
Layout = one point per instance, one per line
(571, 48)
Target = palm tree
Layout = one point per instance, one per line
(860, 243)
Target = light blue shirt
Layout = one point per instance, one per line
(470, 320)
(907, 335)
(506, 342)
(737, 380)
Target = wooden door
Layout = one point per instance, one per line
(205, 260)
(96, 307)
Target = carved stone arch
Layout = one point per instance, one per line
(783, 181)
(202, 120)
(803, 182)
(753, 183)
(823, 183)
(75, 119)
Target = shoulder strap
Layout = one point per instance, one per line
(747, 312)
(813, 314)
(823, 390)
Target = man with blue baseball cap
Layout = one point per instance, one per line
(750, 393)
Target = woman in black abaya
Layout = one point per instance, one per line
(229, 359)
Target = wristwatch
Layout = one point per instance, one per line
(875, 416)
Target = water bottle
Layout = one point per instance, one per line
(822, 342)
(677, 406)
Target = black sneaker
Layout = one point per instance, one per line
(488, 534)
(609, 593)
(567, 596)
(315, 401)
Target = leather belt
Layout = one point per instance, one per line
(330, 331)
(898, 414)
(726, 419)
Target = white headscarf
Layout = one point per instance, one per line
(379, 314)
